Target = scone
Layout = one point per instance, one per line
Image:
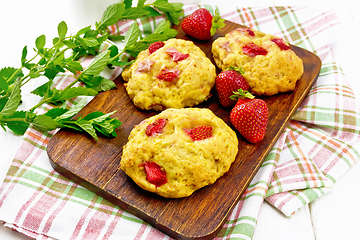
(269, 65)
(178, 151)
(176, 75)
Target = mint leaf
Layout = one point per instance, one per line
(111, 15)
(164, 24)
(164, 5)
(174, 16)
(23, 55)
(98, 116)
(54, 113)
(88, 42)
(2, 103)
(10, 74)
(34, 73)
(154, 37)
(51, 73)
(55, 40)
(136, 48)
(83, 30)
(134, 13)
(87, 127)
(62, 30)
(93, 123)
(104, 85)
(141, 3)
(114, 51)
(52, 70)
(173, 11)
(105, 128)
(128, 3)
(121, 64)
(132, 34)
(98, 64)
(103, 123)
(170, 33)
(152, 12)
(42, 90)
(40, 42)
(116, 37)
(70, 44)
(13, 102)
(44, 123)
(98, 83)
(72, 111)
(18, 127)
(68, 93)
(73, 66)
(177, 6)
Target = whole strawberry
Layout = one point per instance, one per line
(201, 24)
(250, 117)
(228, 82)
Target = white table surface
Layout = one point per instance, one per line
(334, 216)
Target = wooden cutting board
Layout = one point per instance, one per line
(95, 164)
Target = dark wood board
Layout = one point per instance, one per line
(95, 164)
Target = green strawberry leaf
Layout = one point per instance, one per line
(217, 22)
(238, 69)
(242, 94)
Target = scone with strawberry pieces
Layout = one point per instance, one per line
(179, 151)
(170, 74)
(269, 65)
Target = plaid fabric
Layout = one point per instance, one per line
(315, 150)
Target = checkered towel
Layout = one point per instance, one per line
(318, 146)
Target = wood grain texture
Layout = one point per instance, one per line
(95, 164)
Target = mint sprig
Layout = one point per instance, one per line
(63, 55)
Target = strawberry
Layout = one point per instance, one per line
(250, 117)
(201, 24)
(155, 46)
(145, 66)
(176, 55)
(228, 82)
(200, 133)
(250, 32)
(154, 174)
(168, 75)
(251, 49)
(155, 127)
(281, 43)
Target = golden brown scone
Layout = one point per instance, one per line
(149, 89)
(276, 71)
(175, 161)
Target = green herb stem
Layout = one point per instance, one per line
(14, 120)
(43, 101)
